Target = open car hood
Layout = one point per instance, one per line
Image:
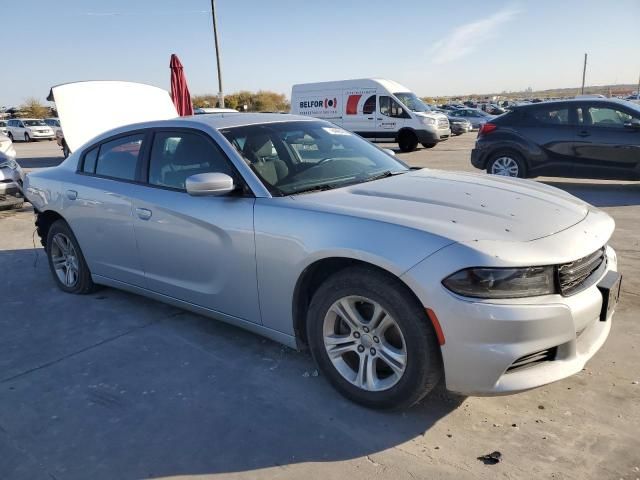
(87, 109)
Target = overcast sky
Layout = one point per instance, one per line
(432, 47)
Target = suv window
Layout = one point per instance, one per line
(391, 108)
(369, 105)
(119, 158)
(551, 115)
(175, 156)
(603, 117)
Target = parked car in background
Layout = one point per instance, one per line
(299, 230)
(54, 123)
(459, 125)
(11, 176)
(205, 110)
(28, 129)
(3, 127)
(374, 108)
(584, 138)
(476, 117)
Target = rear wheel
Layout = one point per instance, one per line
(428, 145)
(407, 141)
(507, 164)
(67, 264)
(372, 339)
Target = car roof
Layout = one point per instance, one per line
(228, 120)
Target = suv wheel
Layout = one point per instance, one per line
(372, 339)
(66, 261)
(506, 164)
(10, 135)
(27, 138)
(407, 141)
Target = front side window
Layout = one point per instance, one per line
(175, 156)
(119, 158)
(604, 117)
(294, 157)
(391, 108)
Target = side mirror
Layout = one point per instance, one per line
(209, 184)
(389, 151)
(634, 123)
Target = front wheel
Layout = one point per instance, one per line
(372, 339)
(10, 135)
(506, 164)
(66, 261)
(428, 145)
(27, 138)
(407, 141)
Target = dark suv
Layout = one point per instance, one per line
(584, 138)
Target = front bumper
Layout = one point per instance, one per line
(433, 136)
(485, 339)
(39, 135)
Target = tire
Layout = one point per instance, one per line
(410, 333)
(508, 162)
(429, 145)
(27, 138)
(407, 141)
(65, 149)
(60, 237)
(10, 135)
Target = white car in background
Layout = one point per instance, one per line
(28, 129)
(54, 123)
(3, 127)
(11, 176)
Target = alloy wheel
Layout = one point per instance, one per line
(505, 166)
(65, 260)
(364, 343)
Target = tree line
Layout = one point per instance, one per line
(260, 101)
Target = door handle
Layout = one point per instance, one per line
(369, 118)
(72, 194)
(143, 213)
(583, 134)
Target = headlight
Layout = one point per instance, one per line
(502, 282)
(428, 121)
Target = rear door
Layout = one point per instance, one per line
(552, 128)
(608, 145)
(360, 112)
(197, 249)
(99, 208)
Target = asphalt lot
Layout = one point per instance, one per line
(112, 385)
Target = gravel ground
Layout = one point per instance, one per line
(112, 385)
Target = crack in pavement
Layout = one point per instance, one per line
(73, 354)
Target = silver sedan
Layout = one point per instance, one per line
(305, 233)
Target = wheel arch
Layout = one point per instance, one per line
(44, 220)
(314, 275)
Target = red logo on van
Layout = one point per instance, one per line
(352, 104)
(330, 103)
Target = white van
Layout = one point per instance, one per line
(377, 109)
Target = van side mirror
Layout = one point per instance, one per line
(634, 123)
(212, 184)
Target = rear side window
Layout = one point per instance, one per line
(119, 158)
(551, 115)
(89, 164)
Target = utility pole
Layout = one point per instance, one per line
(215, 37)
(584, 72)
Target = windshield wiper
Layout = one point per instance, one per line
(378, 176)
(316, 188)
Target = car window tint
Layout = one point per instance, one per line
(606, 117)
(369, 105)
(118, 158)
(551, 116)
(175, 156)
(89, 164)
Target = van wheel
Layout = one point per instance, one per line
(372, 339)
(407, 141)
(429, 145)
(507, 164)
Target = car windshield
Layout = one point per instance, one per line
(412, 102)
(34, 123)
(297, 157)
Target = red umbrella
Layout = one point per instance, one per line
(179, 90)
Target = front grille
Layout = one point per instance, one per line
(576, 276)
(443, 123)
(533, 359)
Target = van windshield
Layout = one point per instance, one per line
(412, 102)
